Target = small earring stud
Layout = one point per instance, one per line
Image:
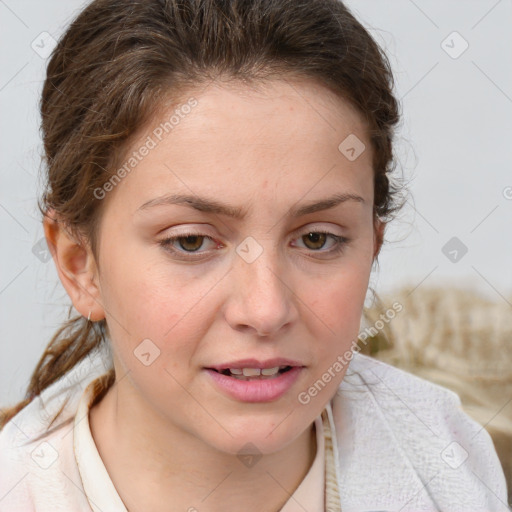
(89, 317)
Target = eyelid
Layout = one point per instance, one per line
(298, 232)
(340, 242)
(167, 242)
(318, 227)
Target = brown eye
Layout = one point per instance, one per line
(316, 239)
(191, 243)
(186, 243)
(315, 242)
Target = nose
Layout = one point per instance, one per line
(262, 299)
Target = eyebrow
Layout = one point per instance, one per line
(207, 205)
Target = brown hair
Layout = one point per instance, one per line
(119, 60)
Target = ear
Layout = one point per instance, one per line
(76, 267)
(379, 228)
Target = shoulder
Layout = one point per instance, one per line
(382, 378)
(34, 452)
(405, 401)
(407, 431)
(59, 401)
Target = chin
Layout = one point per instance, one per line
(256, 437)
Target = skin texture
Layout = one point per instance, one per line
(168, 436)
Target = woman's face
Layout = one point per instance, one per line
(251, 286)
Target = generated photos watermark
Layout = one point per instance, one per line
(342, 361)
(151, 142)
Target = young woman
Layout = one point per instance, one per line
(218, 188)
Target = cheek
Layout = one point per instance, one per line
(136, 290)
(152, 306)
(339, 305)
(339, 300)
(144, 300)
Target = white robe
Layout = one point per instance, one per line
(400, 444)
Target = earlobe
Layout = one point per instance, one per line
(76, 267)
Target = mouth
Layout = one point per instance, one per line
(254, 373)
(255, 384)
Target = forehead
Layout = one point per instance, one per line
(313, 108)
(284, 134)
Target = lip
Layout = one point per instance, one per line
(255, 363)
(257, 390)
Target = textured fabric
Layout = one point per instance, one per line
(404, 444)
(459, 339)
(391, 442)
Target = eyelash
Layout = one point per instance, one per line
(338, 248)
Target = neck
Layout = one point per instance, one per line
(142, 452)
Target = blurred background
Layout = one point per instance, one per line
(452, 64)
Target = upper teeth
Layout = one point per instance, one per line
(253, 372)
